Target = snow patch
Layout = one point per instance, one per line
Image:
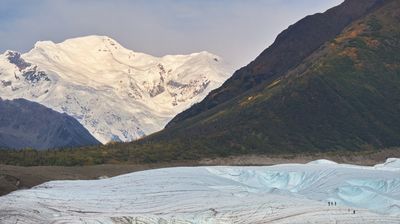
(322, 162)
(391, 163)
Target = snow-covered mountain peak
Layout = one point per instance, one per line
(116, 93)
(103, 55)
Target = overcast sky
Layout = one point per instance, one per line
(237, 30)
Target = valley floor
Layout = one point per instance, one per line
(286, 193)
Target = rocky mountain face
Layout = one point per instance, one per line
(290, 48)
(115, 93)
(25, 124)
(343, 95)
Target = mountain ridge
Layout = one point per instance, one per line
(25, 124)
(290, 47)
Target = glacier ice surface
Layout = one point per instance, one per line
(287, 193)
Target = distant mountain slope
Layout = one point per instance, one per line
(290, 48)
(117, 94)
(25, 124)
(343, 96)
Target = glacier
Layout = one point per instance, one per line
(115, 93)
(286, 193)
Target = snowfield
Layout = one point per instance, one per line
(115, 93)
(288, 193)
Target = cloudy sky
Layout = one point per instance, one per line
(237, 30)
